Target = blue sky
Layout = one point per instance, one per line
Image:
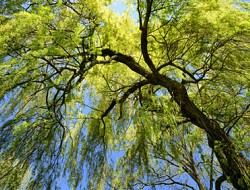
(118, 6)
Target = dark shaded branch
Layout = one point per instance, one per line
(144, 36)
(133, 89)
(139, 14)
(170, 63)
(50, 64)
(219, 181)
(124, 97)
(111, 106)
(233, 163)
(237, 118)
(127, 60)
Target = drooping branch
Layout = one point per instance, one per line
(233, 163)
(121, 101)
(125, 96)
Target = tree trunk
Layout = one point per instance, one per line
(234, 165)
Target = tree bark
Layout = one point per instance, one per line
(234, 165)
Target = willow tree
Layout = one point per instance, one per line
(112, 102)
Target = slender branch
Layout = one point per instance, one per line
(124, 97)
(111, 106)
(237, 118)
(211, 170)
(139, 14)
(144, 36)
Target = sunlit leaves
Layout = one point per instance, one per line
(68, 110)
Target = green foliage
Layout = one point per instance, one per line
(67, 110)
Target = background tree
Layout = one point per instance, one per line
(90, 95)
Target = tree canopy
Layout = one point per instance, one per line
(113, 102)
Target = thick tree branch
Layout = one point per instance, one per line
(127, 60)
(232, 162)
(219, 181)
